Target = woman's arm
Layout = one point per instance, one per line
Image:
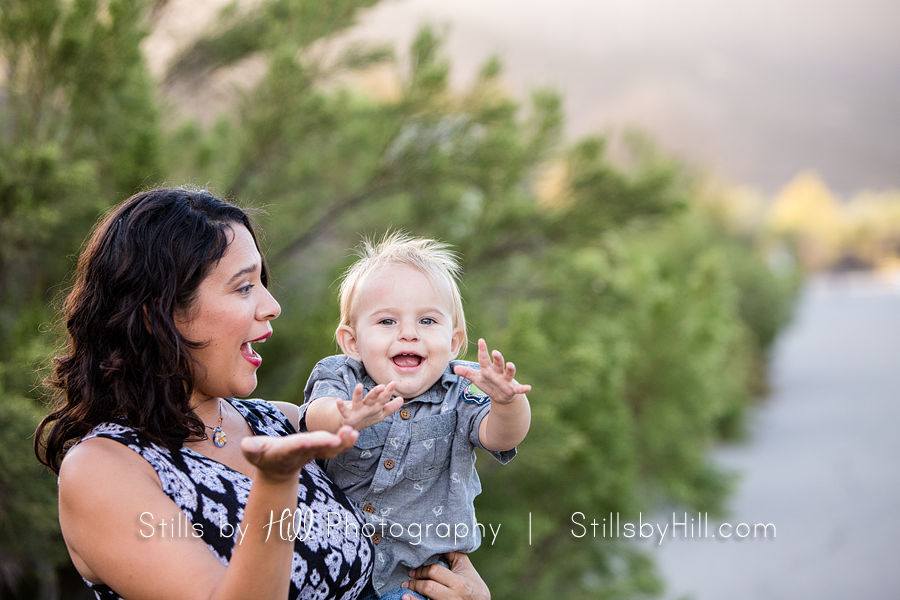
(120, 526)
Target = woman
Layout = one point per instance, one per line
(155, 456)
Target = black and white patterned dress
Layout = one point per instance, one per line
(327, 563)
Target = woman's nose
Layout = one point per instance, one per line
(268, 307)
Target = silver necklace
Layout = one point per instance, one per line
(219, 437)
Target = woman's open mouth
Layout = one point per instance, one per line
(250, 354)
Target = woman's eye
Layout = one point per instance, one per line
(245, 289)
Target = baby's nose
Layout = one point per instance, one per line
(408, 331)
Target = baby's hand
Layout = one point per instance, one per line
(360, 412)
(496, 378)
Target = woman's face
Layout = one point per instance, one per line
(232, 311)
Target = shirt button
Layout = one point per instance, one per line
(388, 464)
(404, 414)
(369, 508)
(376, 538)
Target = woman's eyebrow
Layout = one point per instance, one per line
(242, 272)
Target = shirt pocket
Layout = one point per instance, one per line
(362, 459)
(431, 443)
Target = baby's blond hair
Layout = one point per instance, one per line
(436, 260)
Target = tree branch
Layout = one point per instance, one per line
(324, 223)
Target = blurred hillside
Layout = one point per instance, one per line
(758, 92)
(829, 233)
(774, 100)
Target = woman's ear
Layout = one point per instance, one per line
(346, 339)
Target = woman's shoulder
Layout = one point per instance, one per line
(105, 443)
(98, 466)
(96, 451)
(104, 450)
(268, 418)
(291, 411)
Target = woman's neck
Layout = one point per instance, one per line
(204, 406)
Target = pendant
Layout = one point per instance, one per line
(219, 437)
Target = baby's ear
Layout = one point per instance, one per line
(456, 341)
(346, 339)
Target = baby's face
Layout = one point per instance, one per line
(402, 329)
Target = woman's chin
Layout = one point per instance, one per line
(244, 389)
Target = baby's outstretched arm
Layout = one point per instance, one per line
(505, 426)
(330, 414)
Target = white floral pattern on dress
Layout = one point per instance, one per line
(326, 563)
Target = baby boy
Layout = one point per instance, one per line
(420, 417)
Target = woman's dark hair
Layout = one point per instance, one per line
(125, 360)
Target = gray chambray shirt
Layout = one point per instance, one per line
(412, 475)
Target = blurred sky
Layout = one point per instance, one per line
(756, 91)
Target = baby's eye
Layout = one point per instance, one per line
(386, 322)
(427, 321)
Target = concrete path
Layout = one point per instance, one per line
(822, 463)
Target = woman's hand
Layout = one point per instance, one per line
(281, 458)
(460, 582)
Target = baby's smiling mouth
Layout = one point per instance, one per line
(407, 361)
